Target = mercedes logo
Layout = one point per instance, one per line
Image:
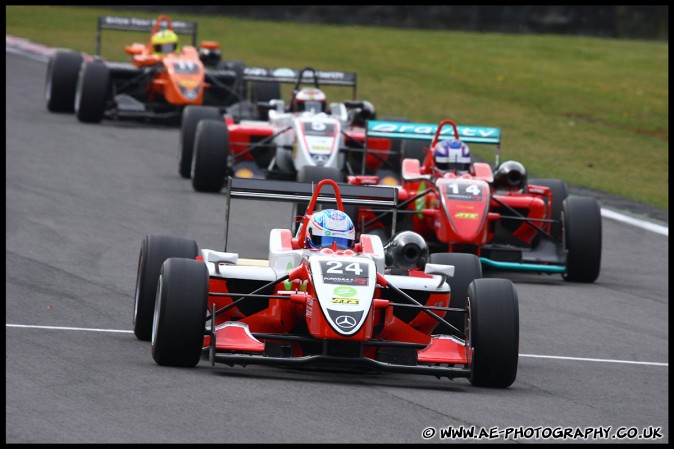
(345, 321)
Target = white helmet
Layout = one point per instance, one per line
(452, 154)
(309, 99)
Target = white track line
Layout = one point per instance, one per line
(521, 355)
(664, 230)
(69, 328)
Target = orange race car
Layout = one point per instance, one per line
(161, 79)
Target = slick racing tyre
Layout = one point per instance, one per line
(559, 192)
(92, 92)
(180, 313)
(582, 235)
(211, 151)
(192, 115)
(154, 250)
(312, 173)
(61, 83)
(240, 87)
(467, 267)
(414, 149)
(265, 91)
(493, 331)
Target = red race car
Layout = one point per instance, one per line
(307, 139)
(323, 298)
(161, 79)
(509, 221)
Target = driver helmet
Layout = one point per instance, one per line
(330, 226)
(452, 154)
(164, 42)
(309, 99)
(361, 114)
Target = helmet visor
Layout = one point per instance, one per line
(164, 48)
(312, 106)
(326, 241)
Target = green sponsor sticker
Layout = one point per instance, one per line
(345, 291)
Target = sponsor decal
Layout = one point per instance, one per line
(344, 290)
(466, 215)
(243, 173)
(255, 71)
(345, 321)
(284, 73)
(345, 301)
(328, 75)
(390, 181)
(464, 131)
(420, 202)
(310, 307)
(345, 273)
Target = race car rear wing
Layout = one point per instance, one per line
(428, 131)
(140, 25)
(376, 197)
(289, 76)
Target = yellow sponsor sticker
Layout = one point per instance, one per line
(466, 215)
(345, 301)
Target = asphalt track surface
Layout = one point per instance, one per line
(79, 200)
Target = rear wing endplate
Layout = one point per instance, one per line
(141, 25)
(384, 197)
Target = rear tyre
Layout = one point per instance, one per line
(414, 149)
(265, 91)
(311, 173)
(211, 151)
(180, 313)
(467, 267)
(61, 83)
(492, 330)
(154, 250)
(92, 92)
(582, 235)
(559, 192)
(192, 115)
(394, 158)
(240, 86)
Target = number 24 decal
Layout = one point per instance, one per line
(353, 267)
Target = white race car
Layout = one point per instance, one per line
(306, 140)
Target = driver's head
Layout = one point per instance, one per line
(164, 42)
(309, 99)
(330, 226)
(451, 154)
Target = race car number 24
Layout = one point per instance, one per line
(345, 273)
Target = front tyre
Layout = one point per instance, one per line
(211, 152)
(493, 331)
(582, 234)
(154, 250)
(192, 115)
(92, 92)
(180, 313)
(61, 83)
